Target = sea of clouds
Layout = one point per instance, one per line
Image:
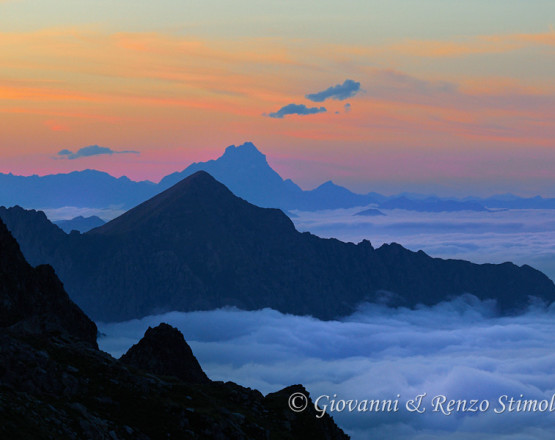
(522, 236)
(459, 349)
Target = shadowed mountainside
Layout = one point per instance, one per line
(196, 246)
(55, 384)
(34, 298)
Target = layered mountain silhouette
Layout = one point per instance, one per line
(85, 189)
(55, 384)
(246, 172)
(80, 223)
(196, 246)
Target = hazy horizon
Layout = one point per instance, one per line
(387, 189)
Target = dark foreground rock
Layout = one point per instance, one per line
(163, 351)
(56, 384)
(35, 299)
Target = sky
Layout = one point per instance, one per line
(434, 96)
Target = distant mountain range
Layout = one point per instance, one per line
(246, 172)
(197, 246)
(87, 189)
(80, 223)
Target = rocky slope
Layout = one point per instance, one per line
(34, 298)
(163, 351)
(56, 384)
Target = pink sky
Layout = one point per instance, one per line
(438, 111)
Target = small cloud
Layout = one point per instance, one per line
(92, 150)
(347, 108)
(296, 109)
(339, 92)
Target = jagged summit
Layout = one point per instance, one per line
(246, 151)
(246, 172)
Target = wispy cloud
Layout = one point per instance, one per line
(339, 92)
(92, 150)
(296, 109)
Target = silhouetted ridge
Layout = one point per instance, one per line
(163, 351)
(196, 246)
(34, 298)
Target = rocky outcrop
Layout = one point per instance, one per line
(307, 423)
(163, 351)
(34, 298)
(55, 384)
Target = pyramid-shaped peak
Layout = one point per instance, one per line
(200, 180)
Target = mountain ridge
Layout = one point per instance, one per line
(197, 246)
(243, 169)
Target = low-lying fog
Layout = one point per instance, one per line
(458, 349)
(523, 236)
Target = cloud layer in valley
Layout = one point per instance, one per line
(522, 236)
(458, 349)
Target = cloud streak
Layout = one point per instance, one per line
(338, 92)
(296, 109)
(92, 150)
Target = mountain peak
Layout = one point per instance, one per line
(164, 351)
(328, 184)
(199, 200)
(244, 151)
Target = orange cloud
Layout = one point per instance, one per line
(151, 91)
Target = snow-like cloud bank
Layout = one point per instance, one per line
(521, 236)
(70, 212)
(459, 349)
